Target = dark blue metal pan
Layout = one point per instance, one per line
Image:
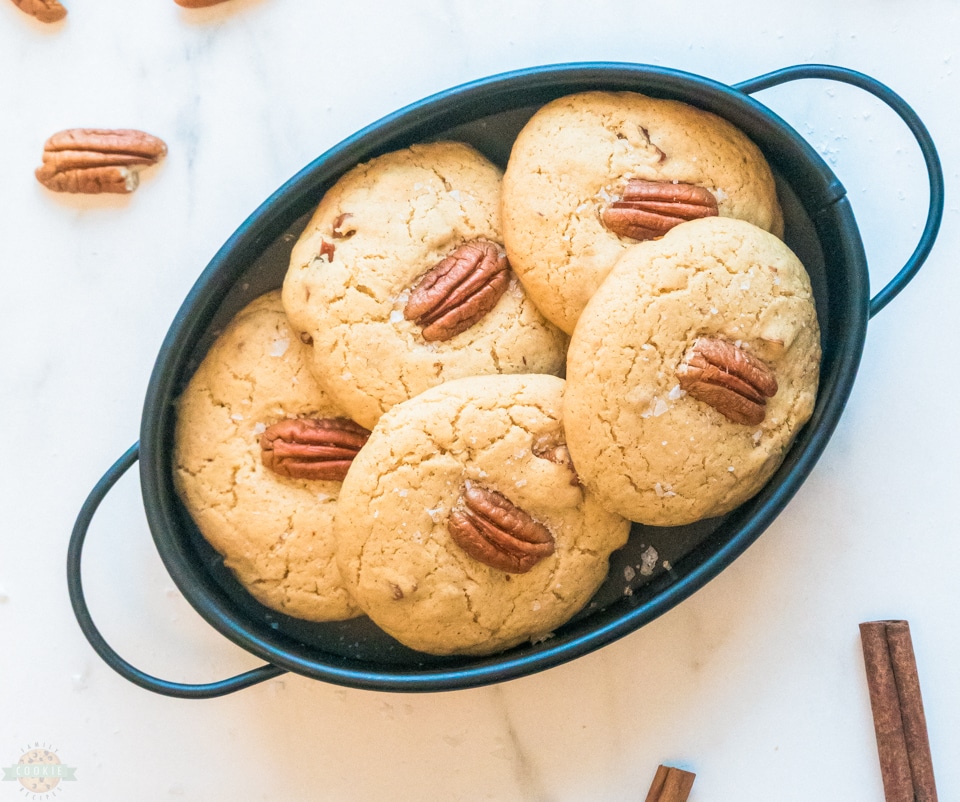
(820, 227)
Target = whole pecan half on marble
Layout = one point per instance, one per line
(730, 379)
(649, 209)
(43, 10)
(95, 160)
(459, 290)
(312, 448)
(494, 531)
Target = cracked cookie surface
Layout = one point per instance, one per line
(651, 451)
(396, 552)
(573, 158)
(275, 533)
(375, 233)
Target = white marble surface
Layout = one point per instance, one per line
(755, 683)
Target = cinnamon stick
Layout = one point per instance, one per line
(906, 764)
(670, 785)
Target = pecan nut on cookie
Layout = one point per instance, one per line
(691, 371)
(593, 173)
(400, 281)
(260, 453)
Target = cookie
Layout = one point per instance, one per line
(275, 531)
(400, 282)
(690, 372)
(461, 526)
(581, 154)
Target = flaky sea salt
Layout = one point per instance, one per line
(664, 490)
(396, 316)
(279, 347)
(675, 393)
(648, 560)
(636, 396)
(260, 428)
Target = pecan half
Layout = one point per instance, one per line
(43, 10)
(308, 448)
(94, 160)
(728, 378)
(649, 209)
(494, 531)
(459, 290)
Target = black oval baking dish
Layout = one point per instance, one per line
(820, 227)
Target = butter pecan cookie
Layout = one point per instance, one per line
(690, 372)
(592, 173)
(260, 452)
(400, 282)
(462, 528)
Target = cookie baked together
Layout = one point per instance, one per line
(462, 528)
(592, 173)
(400, 282)
(260, 452)
(690, 372)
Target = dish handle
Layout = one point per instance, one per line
(81, 611)
(920, 133)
